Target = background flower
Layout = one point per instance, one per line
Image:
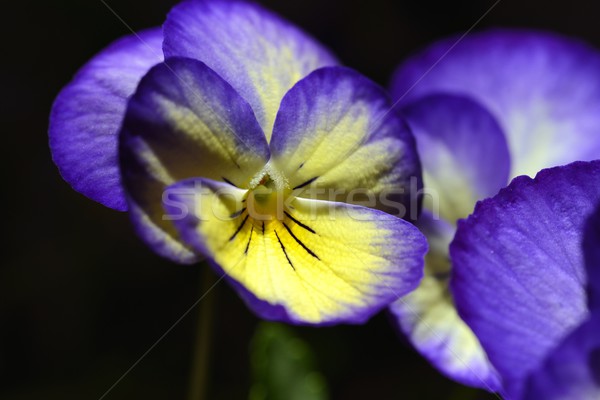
(520, 280)
(498, 104)
(571, 370)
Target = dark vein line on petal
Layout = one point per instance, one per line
(308, 228)
(249, 240)
(284, 251)
(228, 181)
(237, 213)
(309, 251)
(308, 182)
(239, 228)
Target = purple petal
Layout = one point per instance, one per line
(87, 116)
(572, 371)
(463, 152)
(465, 158)
(544, 89)
(429, 320)
(518, 271)
(184, 121)
(336, 139)
(257, 52)
(591, 248)
(319, 263)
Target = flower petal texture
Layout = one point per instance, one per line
(518, 267)
(465, 157)
(572, 371)
(544, 90)
(591, 248)
(257, 52)
(87, 115)
(428, 317)
(336, 139)
(317, 263)
(184, 121)
(463, 152)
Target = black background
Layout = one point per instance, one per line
(81, 298)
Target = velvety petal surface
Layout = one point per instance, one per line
(428, 317)
(591, 248)
(572, 371)
(336, 139)
(317, 263)
(543, 88)
(464, 155)
(87, 114)
(184, 121)
(463, 152)
(258, 53)
(518, 275)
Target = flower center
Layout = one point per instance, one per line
(268, 195)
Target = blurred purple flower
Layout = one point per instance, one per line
(520, 282)
(496, 105)
(572, 369)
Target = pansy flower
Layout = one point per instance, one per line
(572, 369)
(520, 282)
(249, 147)
(484, 109)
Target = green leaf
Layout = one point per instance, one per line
(283, 366)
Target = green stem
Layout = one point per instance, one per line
(198, 386)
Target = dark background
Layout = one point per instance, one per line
(81, 299)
